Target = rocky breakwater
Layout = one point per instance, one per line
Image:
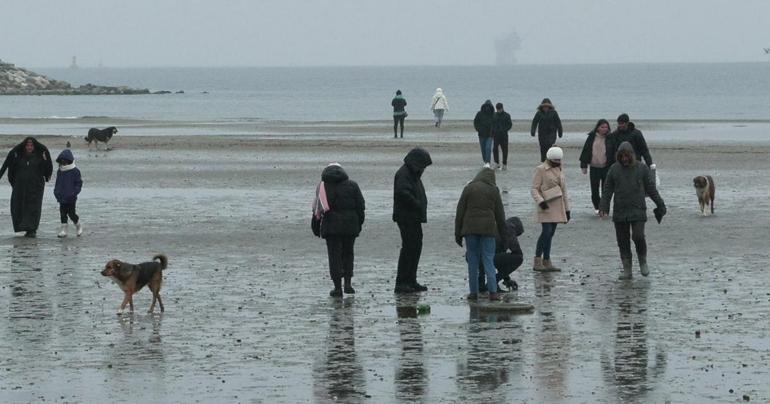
(17, 81)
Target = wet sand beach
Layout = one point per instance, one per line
(248, 318)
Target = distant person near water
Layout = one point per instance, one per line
(68, 185)
(338, 210)
(483, 125)
(399, 113)
(439, 105)
(548, 126)
(630, 182)
(549, 190)
(501, 124)
(480, 217)
(410, 211)
(596, 155)
(29, 168)
(627, 132)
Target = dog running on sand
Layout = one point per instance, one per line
(132, 278)
(704, 188)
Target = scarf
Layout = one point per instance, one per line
(320, 203)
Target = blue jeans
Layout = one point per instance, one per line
(544, 241)
(486, 148)
(480, 249)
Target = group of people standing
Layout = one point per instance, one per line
(29, 167)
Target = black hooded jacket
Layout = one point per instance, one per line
(346, 204)
(635, 138)
(410, 204)
(510, 243)
(17, 153)
(629, 185)
(484, 119)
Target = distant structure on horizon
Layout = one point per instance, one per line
(74, 64)
(767, 51)
(506, 48)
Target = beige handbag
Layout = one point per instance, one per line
(552, 193)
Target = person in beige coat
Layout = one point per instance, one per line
(549, 190)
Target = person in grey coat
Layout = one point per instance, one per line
(630, 182)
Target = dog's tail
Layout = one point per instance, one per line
(163, 260)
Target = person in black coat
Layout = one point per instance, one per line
(483, 125)
(548, 126)
(500, 126)
(596, 154)
(627, 132)
(341, 225)
(29, 168)
(410, 207)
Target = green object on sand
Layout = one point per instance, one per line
(423, 309)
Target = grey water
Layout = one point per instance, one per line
(727, 91)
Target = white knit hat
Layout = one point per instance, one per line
(554, 153)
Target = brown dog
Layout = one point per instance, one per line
(132, 278)
(704, 188)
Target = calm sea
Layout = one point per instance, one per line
(646, 91)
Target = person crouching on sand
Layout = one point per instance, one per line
(480, 218)
(340, 206)
(68, 186)
(549, 190)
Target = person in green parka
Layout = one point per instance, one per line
(29, 167)
(548, 126)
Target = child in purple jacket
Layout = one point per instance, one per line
(68, 185)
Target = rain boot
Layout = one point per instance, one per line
(79, 228)
(348, 287)
(62, 231)
(626, 274)
(643, 268)
(337, 291)
(538, 265)
(549, 266)
(494, 297)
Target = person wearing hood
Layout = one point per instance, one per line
(410, 211)
(399, 113)
(627, 132)
(508, 255)
(483, 125)
(341, 205)
(596, 154)
(548, 125)
(500, 126)
(68, 186)
(439, 104)
(549, 191)
(630, 182)
(29, 167)
(479, 219)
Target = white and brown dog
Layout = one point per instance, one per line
(704, 188)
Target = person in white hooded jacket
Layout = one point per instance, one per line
(438, 105)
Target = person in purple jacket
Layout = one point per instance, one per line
(68, 185)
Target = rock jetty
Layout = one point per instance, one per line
(17, 81)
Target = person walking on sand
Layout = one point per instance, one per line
(627, 132)
(630, 182)
(410, 207)
(500, 127)
(399, 113)
(480, 218)
(339, 206)
(549, 190)
(439, 105)
(483, 125)
(596, 155)
(68, 186)
(548, 126)
(29, 168)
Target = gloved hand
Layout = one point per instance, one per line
(533, 135)
(568, 217)
(584, 170)
(653, 166)
(459, 241)
(659, 212)
(543, 205)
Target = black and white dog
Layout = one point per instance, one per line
(100, 135)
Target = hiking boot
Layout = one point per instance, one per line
(495, 297)
(62, 231)
(472, 296)
(626, 274)
(538, 265)
(336, 292)
(510, 284)
(419, 288)
(79, 228)
(505, 167)
(349, 290)
(403, 289)
(549, 266)
(643, 268)
(31, 234)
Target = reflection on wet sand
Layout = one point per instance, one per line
(339, 376)
(411, 379)
(552, 342)
(629, 373)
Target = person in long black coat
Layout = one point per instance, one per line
(29, 167)
(548, 126)
(341, 225)
(410, 207)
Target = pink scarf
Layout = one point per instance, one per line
(320, 204)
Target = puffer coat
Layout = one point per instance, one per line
(346, 204)
(480, 209)
(629, 185)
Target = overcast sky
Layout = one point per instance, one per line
(47, 33)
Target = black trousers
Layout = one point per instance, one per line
(597, 175)
(398, 120)
(411, 249)
(68, 209)
(340, 249)
(505, 264)
(627, 231)
(500, 141)
(546, 141)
